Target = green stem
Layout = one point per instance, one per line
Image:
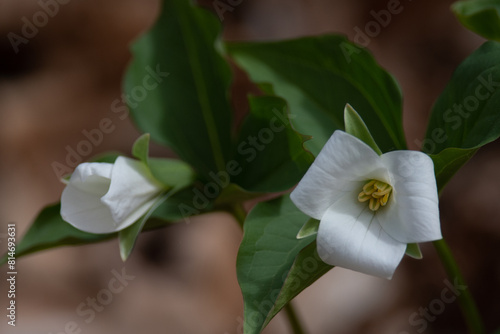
(239, 213)
(293, 319)
(465, 299)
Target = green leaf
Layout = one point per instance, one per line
(355, 126)
(270, 153)
(465, 116)
(140, 149)
(49, 230)
(480, 16)
(233, 193)
(172, 172)
(177, 86)
(266, 255)
(306, 269)
(318, 76)
(310, 228)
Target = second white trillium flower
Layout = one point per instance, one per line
(369, 206)
(105, 197)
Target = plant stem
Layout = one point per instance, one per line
(293, 319)
(465, 299)
(239, 213)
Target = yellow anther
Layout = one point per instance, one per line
(385, 199)
(382, 193)
(381, 185)
(374, 204)
(377, 192)
(369, 184)
(362, 197)
(369, 188)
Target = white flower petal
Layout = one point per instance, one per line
(90, 177)
(80, 200)
(412, 214)
(136, 214)
(351, 237)
(130, 188)
(342, 166)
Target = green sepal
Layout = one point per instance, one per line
(355, 126)
(310, 228)
(413, 250)
(140, 149)
(128, 236)
(172, 173)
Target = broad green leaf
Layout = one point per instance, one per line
(480, 16)
(310, 228)
(49, 230)
(306, 269)
(270, 153)
(466, 116)
(266, 254)
(177, 86)
(140, 149)
(466, 113)
(355, 126)
(318, 76)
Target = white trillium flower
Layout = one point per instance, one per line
(369, 206)
(105, 197)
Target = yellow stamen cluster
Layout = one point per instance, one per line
(377, 192)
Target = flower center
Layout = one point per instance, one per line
(377, 192)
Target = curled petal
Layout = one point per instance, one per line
(92, 177)
(80, 200)
(350, 236)
(131, 187)
(105, 198)
(342, 166)
(412, 214)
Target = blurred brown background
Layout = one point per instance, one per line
(64, 80)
